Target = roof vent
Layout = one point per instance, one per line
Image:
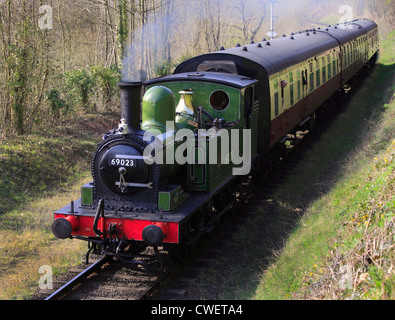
(238, 45)
(244, 48)
(252, 42)
(284, 35)
(264, 39)
(307, 34)
(196, 74)
(259, 45)
(222, 48)
(268, 43)
(292, 38)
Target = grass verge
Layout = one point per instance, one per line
(39, 174)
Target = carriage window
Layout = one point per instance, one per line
(291, 88)
(323, 74)
(329, 71)
(311, 82)
(353, 53)
(275, 82)
(318, 76)
(219, 100)
(299, 90)
(276, 104)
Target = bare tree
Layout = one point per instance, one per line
(251, 18)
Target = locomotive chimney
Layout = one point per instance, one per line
(130, 104)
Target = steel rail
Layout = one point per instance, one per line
(143, 295)
(63, 290)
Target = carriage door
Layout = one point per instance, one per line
(305, 83)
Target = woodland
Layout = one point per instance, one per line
(61, 58)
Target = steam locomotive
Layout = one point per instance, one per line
(189, 144)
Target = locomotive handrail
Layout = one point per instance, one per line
(99, 213)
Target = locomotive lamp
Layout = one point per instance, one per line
(123, 127)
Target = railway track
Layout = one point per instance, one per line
(108, 279)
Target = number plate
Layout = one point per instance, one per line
(121, 162)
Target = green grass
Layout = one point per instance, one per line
(35, 164)
(40, 173)
(27, 242)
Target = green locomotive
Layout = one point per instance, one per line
(189, 145)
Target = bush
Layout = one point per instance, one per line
(106, 80)
(57, 105)
(80, 85)
(163, 68)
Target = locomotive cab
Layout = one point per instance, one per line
(203, 97)
(213, 105)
